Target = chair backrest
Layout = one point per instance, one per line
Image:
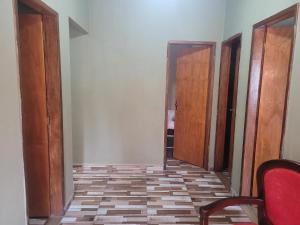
(279, 186)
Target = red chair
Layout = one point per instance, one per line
(278, 201)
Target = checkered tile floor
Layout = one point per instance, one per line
(134, 194)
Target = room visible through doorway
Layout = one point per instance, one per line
(188, 101)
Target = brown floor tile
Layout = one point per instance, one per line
(133, 194)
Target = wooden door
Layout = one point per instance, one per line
(192, 95)
(34, 114)
(274, 83)
(252, 108)
(270, 63)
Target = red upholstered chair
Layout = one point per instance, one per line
(278, 201)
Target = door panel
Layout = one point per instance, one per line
(192, 86)
(274, 85)
(252, 108)
(34, 114)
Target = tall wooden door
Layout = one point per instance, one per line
(34, 114)
(192, 88)
(252, 108)
(274, 84)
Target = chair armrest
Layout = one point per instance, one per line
(207, 210)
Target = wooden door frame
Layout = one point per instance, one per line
(249, 156)
(222, 100)
(212, 45)
(53, 98)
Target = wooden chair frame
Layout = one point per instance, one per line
(206, 211)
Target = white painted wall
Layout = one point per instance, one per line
(12, 192)
(240, 17)
(119, 71)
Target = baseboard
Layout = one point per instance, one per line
(55, 220)
(118, 164)
(248, 209)
(68, 202)
(233, 192)
(251, 212)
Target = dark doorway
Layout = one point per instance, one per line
(227, 104)
(230, 104)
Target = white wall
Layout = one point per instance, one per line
(119, 71)
(12, 192)
(240, 17)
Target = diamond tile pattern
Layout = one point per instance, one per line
(146, 194)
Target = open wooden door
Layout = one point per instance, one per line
(34, 114)
(192, 104)
(271, 58)
(273, 93)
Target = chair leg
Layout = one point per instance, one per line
(203, 220)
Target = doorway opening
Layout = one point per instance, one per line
(41, 104)
(190, 69)
(268, 86)
(228, 86)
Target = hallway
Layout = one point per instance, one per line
(133, 194)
